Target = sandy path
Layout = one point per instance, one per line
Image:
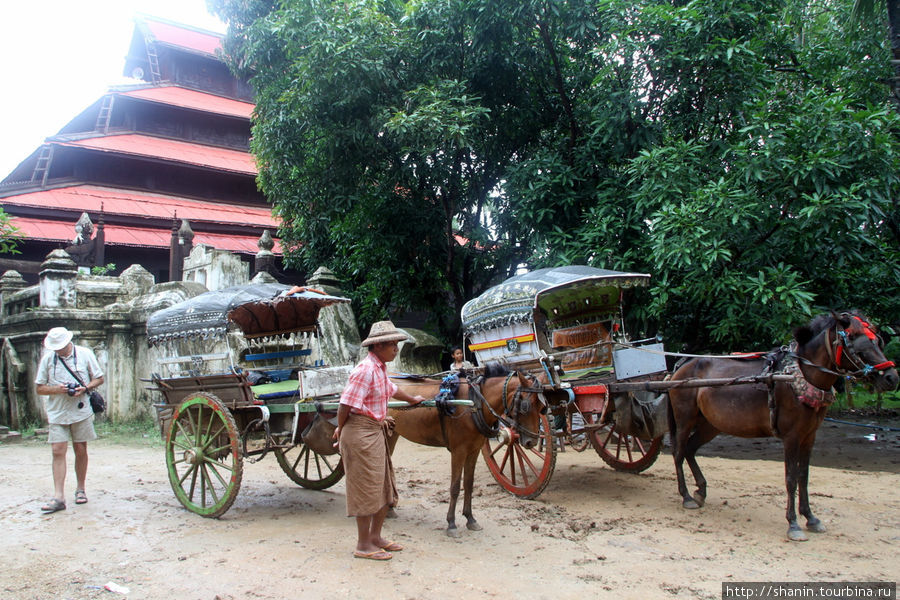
(594, 533)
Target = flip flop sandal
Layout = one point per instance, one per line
(53, 506)
(376, 555)
(80, 497)
(392, 547)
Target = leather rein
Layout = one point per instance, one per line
(510, 414)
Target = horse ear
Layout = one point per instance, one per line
(845, 319)
(523, 380)
(803, 335)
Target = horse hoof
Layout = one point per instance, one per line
(691, 504)
(815, 526)
(391, 514)
(796, 535)
(454, 533)
(700, 500)
(473, 526)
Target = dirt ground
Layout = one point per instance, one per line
(594, 533)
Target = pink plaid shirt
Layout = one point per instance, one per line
(369, 389)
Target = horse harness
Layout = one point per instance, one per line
(447, 392)
(787, 361)
(519, 405)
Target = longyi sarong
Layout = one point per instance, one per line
(369, 472)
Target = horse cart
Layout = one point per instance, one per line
(246, 376)
(566, 323)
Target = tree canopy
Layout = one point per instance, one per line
(743, 153)
(9, 234)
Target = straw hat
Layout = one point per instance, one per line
(384, 331)
(57, 338)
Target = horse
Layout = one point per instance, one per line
(504, 398)
(829, 347)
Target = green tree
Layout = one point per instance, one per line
(764, 183)
(740, 152)
(385, 133)
(9, 234)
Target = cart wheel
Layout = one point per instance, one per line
(524, 472)
(308, 469)
(577, 441)
(623, 452)
(203, 456)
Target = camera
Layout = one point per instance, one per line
(71, 388)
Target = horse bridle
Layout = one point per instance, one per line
(521, 404)
(840, 348)
(508, 418)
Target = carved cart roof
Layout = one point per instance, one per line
(515, 299)
(257, 309)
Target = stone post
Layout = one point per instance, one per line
(324, 279)
(340, 335)
(265, 258)
(10, 282)
(57, 281)
(100, 242)
(179, 248)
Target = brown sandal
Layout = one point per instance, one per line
(53, 506)
(376, 555)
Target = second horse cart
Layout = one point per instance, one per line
(246, 377)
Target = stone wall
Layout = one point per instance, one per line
(100, 313)
(109, 315)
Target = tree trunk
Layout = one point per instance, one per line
(893, 11)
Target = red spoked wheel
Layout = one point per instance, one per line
(621, 451)
(521, 471)
(577, 438)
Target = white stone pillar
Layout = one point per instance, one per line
(57, 281)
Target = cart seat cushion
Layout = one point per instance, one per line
(580, 336)
(278, 355)
(278, 389)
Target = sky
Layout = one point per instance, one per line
(57, 57)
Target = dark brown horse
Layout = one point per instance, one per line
(831, 346)
(511, 399)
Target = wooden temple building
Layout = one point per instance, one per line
(157, 166)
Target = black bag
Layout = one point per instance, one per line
(98, 404)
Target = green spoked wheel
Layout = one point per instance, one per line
(308, 469)
(203, 455)
(521, 471)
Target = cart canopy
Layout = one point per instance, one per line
(557, 291)
(257, 309)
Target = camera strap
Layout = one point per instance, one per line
(71, 372)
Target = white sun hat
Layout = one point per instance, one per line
(57, 338)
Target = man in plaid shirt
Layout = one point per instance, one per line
(362, 430)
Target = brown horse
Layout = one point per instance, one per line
(510, 399)
(831, 346)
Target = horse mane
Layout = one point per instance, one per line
(496, 370)
(804, 334)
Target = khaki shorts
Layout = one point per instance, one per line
(82, 431)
